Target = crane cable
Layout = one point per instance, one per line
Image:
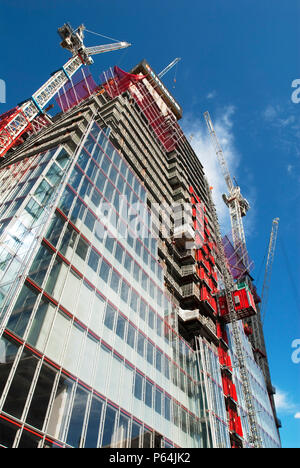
(102, 35)
(261, 266)
(175, 75)
(125, 51)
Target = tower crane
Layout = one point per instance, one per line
(254, 436)
(19, 120)
(168, 68)
(237, 204)
(238, 207)
(268, 269)
(256, 323)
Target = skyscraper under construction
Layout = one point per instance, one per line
(118, 327)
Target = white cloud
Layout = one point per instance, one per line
(297, 416)
(278, 116)
(211, 95)
(271, 112)
(203, 147)
(283, 402)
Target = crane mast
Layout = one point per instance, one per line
(254, 436)
(256, 323)
(238, 207)
(268, 269)
(237, 204)
(19, 121)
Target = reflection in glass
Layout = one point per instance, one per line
(109, 427)
(77, 417)
(93, 423)
(19, 388)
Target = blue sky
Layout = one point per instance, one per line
(238, 61)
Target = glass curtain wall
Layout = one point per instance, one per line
(87, 356)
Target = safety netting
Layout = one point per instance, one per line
(78, 88)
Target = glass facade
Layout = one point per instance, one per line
(266, 423)
(90, 354)
(89, 357)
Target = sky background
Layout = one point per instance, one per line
(238, 61)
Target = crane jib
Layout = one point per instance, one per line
(19, 121)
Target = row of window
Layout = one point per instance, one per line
(111, 165)
(133, 434)
(95, 174)
(34, 324)
(118, 161)
(31, 176)
(62, 409)
(106, 274)
(11, 176)
(109, 277)
(115, 209)
(64, 237)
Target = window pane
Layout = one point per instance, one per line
(135, 435)
(94, 423)
(147, 439)
(18, 391)
(109, 317)
(115, 281)
(41, 325)
(131, 335)
(124, 291)
(134, 301)
(167, 408)
(54, 174)
(41, 396)
(82, 248)
(150, 351)
(138, 386)
(43, 192)
(141, 345)
(143, 309)
(8, 351)
(148, 394)
(59, 334)
(66, 200)
(158, 360)
(28, 440)
(120, 330)
(68, 241)
(22, 311)
(55, 229)
(104, 270)
(151, 318)
(94, 260)
(90, 220)
(158, 398)
(56, 278)
(128, 262)
(122, 432)
(7, 433)
(60, 406)
(77, 417)
(109, 427)
(40, 265)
